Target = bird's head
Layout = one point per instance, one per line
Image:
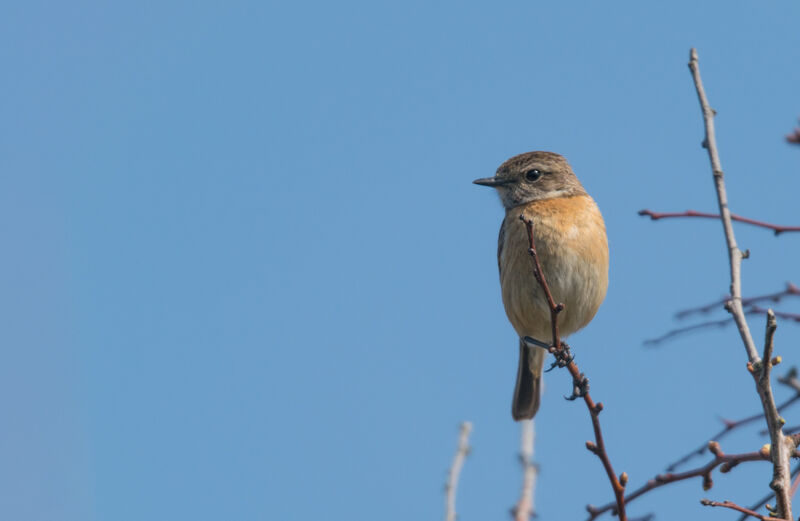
(533, 176)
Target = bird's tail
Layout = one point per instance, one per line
(529, 379)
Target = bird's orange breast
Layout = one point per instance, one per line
(573, 250)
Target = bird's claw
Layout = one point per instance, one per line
(580, 388)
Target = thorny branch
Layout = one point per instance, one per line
(451, 486)
(776, 228)
(580, 383)
(759, 369)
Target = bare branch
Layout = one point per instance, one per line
(730, 425)
(779, 448)
(778, 229)
(790, 290)
(751, 309)
(672, 333)
(451, 486)
(725, 462)
(580, 383)
(734, 506)
(758, 310)
(735, 255)
(524, 509)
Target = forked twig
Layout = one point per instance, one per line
(725, 462)
(730, 425)
(780, 450)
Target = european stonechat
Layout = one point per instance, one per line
(571, 242)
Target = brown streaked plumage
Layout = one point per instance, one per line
(571, 242)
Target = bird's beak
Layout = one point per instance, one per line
(492, 181)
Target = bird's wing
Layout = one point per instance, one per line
(500, 240)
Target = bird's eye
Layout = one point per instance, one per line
(533, 175)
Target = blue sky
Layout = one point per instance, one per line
(245, 273)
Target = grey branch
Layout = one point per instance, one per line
(780, 450)
(524, 509)
(451, 486)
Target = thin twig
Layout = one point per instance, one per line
(790, 290)
(725, 462)
(580, 383)
(687, 329)
(778, 229)
(524, 509)
(734, 506)
(750, 305)
(451, 486)
(751, 309)
(779, 453)
(735, 255)
(758, 310)
(730, 425)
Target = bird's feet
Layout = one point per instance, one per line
(563, 355)
(580, 388)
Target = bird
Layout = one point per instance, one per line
(570, 239)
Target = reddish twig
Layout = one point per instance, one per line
(758, 310)
(687, 329)
(580, 382)
(730, 425)
(752, 309)
(791, 290)
(734, 506)
(776, 228)
(726, 462)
